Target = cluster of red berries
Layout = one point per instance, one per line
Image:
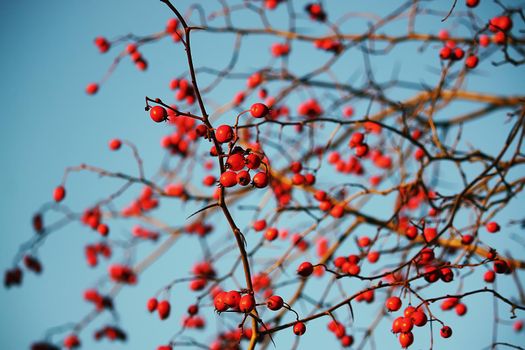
(500, 26)
(339, 331)
(348, 265)
(352, 166)
(357, 143)
(141, 205)
(137, 57)
(143, 233)
(203, 271)
(163, 307)
(100, 301)
(172, 28)
(404, 325)
(184, 90)
(234, 300)
(111, 333)
(92, 217)
(299, 179)
(330, 45)
(262, 283)
(310, 108)
(236, 162)
(92, 251)
(13, 277)
(102, 44)
(122, 274)
(199, 228)
(454, 303)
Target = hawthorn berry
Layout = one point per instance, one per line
(471, 61)
(406, 339)
(260, 180)
(219, 303)
(158, 114)
(246, 303)
(243, 178)
(224, 134)
(59, 193)
(91, 88)
(236, 161)
(164, 308)
(115, 144)
(228, 179)
(446, 332)
(472, 3)
(305, 269)
(492, 227)
(299, 328)
(274, 302)
(259, 110)
(393, 304)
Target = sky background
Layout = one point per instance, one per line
(49, 123)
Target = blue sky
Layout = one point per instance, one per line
(49, 123)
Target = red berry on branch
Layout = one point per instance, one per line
(259, 110)
(305, 269)
(393, 304)
(115, 144)
(299, 328)
(224, 134)
(446, 332)
(158, 114)
(59, 194)
(91, 88)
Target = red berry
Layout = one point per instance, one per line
(406, 339)
(471, 61)
(224, 133)
(260, 180)
(243, 178)
(299, 328)
(274, 302)
(253, 161)
(271, 234)
(259, 110)
(419, 318)
(446, 332)
(246, 303)
(219, 303)
(357, 139)
(492, 227)
(115, 144)
(228, 179)
(489, 276)
(59, 193)
(305, 269)
(164, 309)
(232, 299)
(393, 304)
(472, 3)
(152, 304)
(193, 309)
(158, 114)
(259, 225)
(92, 88)
(236, 161)
(461, 309)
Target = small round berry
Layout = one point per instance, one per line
(492, 227)
(446, 332)
(59, 193)
(224, 133)
(232, 299)
(406, 339)
(299, 328)
(260, 180)
(246, 303)
(92, 88)
(393, 304)
(158, 114)
(274, 302)
(219, 303)
(164, 309)
(115, 144)
(271, 234)
(305, 269)
(193, 309)
(472, 3)
(259, 110)
(236, 162)
(152, 304)
(228, 179)
(243, 178)
(471, 61)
